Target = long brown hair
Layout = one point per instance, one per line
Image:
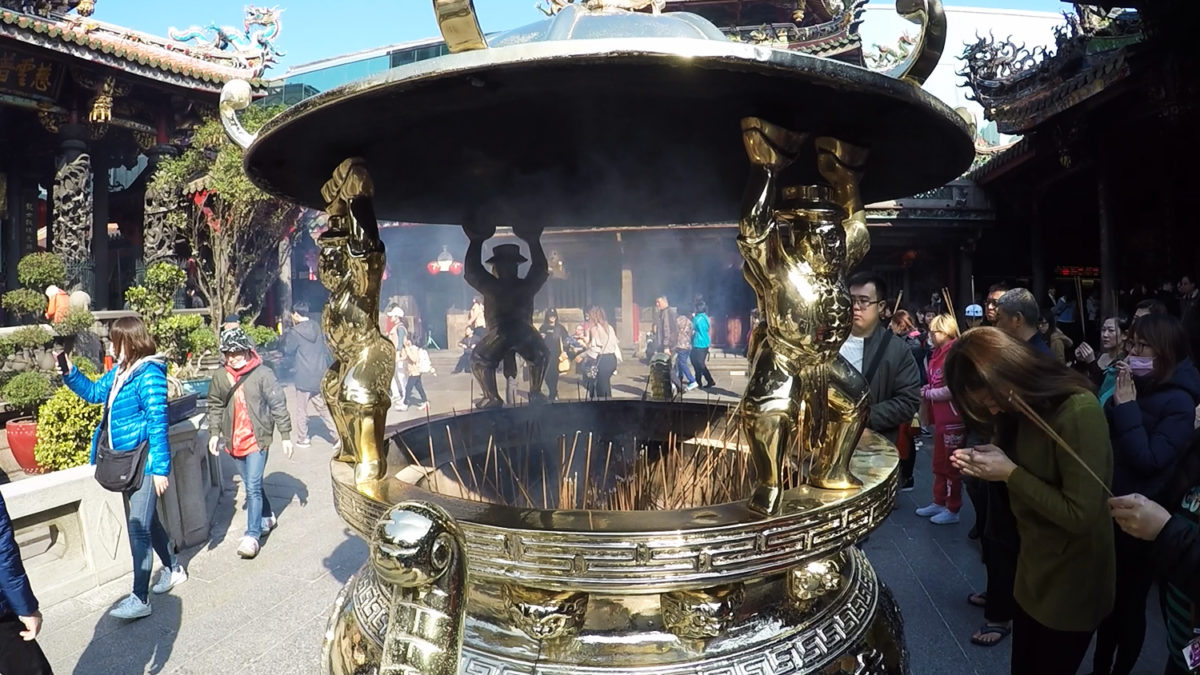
(129, 334)
(1166, 336)
(988, 360)
(903, 320)
(596, 316)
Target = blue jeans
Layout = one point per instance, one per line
(683, 366)
(252, 467)
(146, 536)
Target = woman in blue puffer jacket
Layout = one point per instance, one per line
(1150, 419)
(135, 398)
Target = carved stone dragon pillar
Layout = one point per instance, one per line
(158, 234)
(72, 214)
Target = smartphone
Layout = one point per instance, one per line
(63, 366)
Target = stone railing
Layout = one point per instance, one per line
(72, 532)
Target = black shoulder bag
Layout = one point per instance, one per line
(119, 471)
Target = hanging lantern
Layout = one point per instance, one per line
(444, 262)
(456, 268)
(432, 267)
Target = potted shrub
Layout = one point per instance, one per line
(24, 393)
(174, 333)
(65, 424)
(35, 271)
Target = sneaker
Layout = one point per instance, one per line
(131, 608)
(248, 548)
(907, 484)
(169, 578)
(402, 408)
(930, 510)
(269, 523)
(691, 387)
(302, 444)
(946, 517)
(423, 406)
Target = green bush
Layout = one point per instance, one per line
(86, 366)
(78, 320)
(24, 302)
(202, 340)
(39, 270)
(30, 337)
(64, 431)
(264, 337)
(26, 391)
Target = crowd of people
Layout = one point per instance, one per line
(1082, 461)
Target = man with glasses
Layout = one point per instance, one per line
(883, 359)
(989, 305)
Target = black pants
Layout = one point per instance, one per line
(1038, 650)
(699, 358)
(1123, 632)
(552, 377)
(606, 365)
(977, 492)
(18, 657)
(1000, 544)
(414, 382)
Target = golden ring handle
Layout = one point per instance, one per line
(931, 42)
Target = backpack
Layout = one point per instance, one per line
(424, 364)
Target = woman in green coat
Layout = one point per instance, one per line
(1065, 565)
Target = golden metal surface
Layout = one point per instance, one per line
(405, 611)
(802, 395)
(350, 265)
(930, 42)
(545, 615)
(702, 613)
(812, 581)
(459, 25)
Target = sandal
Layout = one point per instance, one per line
(977, 599)
(987, 629)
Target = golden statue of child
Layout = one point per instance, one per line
(351, 265)
(797, 247)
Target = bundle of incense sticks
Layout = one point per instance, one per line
(949, 304)
(1049, 431)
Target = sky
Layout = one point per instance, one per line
(320, 29)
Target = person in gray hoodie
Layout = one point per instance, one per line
(304, 346)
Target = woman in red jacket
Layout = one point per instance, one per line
(947, 424)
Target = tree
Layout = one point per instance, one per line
(234, 228)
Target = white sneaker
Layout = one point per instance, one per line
(131, 608)
(930, 510)
(302, 444)
(402, 408)
(169, 578)
(269, 523)
(946, 517)
(691, 387)
(248, 548)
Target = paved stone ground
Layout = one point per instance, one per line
(268, 615)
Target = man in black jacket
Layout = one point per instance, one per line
(20, 620)
(304, 346)
(884, 359)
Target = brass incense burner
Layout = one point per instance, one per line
(615, 536)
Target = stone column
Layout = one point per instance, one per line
(627, 312)
(1108, 244)
(73, 209)
(102, 264)
(158, 237)
(1037, 250)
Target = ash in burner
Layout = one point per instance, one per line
(538, 464)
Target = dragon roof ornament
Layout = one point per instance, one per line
(250, 46)
(1019, 87)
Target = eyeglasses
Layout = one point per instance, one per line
(863, 301)
(991, 303)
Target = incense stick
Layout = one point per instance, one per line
(1032, 415)
(899, 297)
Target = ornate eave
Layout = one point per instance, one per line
(126, 50)
(1022, 88)
(834, 37)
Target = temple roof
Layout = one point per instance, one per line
(134, 52)
(826, 28)
(1021, 88)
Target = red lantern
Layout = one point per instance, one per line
(456, 268)
(432, 267)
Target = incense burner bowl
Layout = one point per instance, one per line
(688, 589)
